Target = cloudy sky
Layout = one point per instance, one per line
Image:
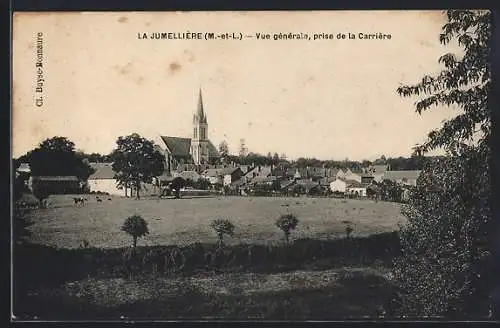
(330, 99)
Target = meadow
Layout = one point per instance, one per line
(321, 275)
(187, 220)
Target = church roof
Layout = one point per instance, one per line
(102, 171)
(177, 146)
(212, 151)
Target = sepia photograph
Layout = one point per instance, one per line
(251, 165)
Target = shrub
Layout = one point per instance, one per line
(41, 194)
(348, 230)
(444, 265)
(287, 223)
(222, 227)
(135, 226)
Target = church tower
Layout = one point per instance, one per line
(199, 142)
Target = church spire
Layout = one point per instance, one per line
(200, 113)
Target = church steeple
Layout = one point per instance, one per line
(199, 142)
(200, 116)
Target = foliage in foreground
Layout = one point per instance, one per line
(443, 270)
(43, 265)
(350, 295)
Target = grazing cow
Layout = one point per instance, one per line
(99, 200)
(79, 200)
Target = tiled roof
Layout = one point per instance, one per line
(308, 184)
(349, 181)
(178, 146)
(333, 172)
(191, 175)
(102, 171)
(212, 151)
(326, 181)
(244, 168)
(211, 172)
(398, 175)
(264, 179)
(377, 169)
(356, 184)
(228, 170)
(56, 178)
(286, 183)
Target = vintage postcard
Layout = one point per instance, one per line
(308, 165)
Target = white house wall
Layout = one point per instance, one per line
(360, 191)
(227, 180)
(105, 185)
(338, 186)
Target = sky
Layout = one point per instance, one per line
(329, 99)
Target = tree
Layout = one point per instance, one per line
(202, 184)
(57, 156)
(287, 223)
(443, 269)
(390, 191)
(41, 194)
(223, 149)
(222, 227)
(366, 163)
(136, 227)
(135, 160)
(176, 185)
(380, 161)
(276, 159)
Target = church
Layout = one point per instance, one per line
(190, 153)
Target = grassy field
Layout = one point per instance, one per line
(348, 293)
(185, 221)
(317, 289)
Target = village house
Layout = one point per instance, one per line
(356, 188)
(350, 175)
(187, 175)
(230, 175)
(347, 186)
(255, 172)
(213, 176)
(309, 186)
(103, 179)
(57, 184)
(338, 185)
(367, 178)
(24, 172)
(408, 178)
